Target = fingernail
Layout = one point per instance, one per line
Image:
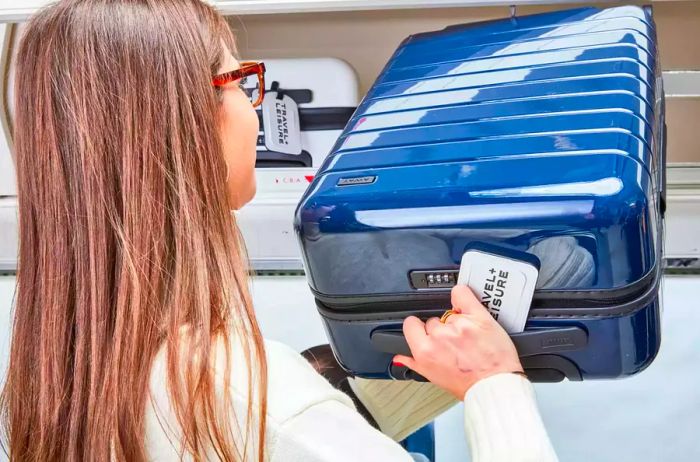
(398, 364)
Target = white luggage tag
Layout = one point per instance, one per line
(504, 285)
(280, 114)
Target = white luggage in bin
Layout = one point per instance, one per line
(326, 91)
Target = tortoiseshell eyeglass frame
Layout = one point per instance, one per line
(247, 69)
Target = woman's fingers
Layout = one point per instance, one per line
(432, 324)
(468, 347)
(417, 338)
(464, 299)
(414, 330)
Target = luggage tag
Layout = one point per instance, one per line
(280, 114)
(504, 285)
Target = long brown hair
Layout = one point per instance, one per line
(127, 244)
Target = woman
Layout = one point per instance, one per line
(134, 335)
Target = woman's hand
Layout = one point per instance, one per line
(468, 347)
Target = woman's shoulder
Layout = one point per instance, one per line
(294, 385)
(293, 389)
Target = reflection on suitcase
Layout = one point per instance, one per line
(542, 134)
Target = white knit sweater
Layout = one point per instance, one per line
(310, 421)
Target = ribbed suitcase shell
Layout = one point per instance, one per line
(518, 134)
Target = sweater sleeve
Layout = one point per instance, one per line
(503, 423)
(331, 431)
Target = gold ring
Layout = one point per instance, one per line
(447, 314)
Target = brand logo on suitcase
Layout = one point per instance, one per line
(356, 181)
(557, 342)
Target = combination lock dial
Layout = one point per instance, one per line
(434, 279)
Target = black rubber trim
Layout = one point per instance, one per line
(398, 309)
(274, 159)
(532, 342)
(562, 302)
(403, 373)
(662, 199)
(301, 96)
(595, 298)
(322, 118)
(550, 368)
(325, 118)
(539, 369)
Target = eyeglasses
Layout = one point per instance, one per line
(252, 80)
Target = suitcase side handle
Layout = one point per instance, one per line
(274, 159)
(529, 343)
(319, 118)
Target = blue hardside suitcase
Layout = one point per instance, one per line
(558, 152)
(589, 46)
(565, 22)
